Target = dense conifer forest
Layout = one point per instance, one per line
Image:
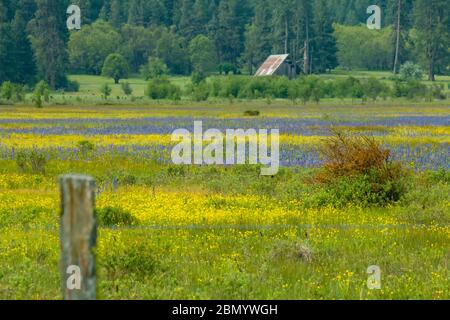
(219, 36)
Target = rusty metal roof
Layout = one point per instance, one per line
(271, 65)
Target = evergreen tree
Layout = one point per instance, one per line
(303, 33)
(283, 22)
(49, 36)
(228, 29)
(185, 23)
(251, 47)
(116, 16)
(22, 53)
(243, 31)
(169, 5)
(201, 16)
(136, 13)
(27, 9)
(432, 25)
(138, 43)
(258, 44)
(95, 8)
(324, 44)
(351, 17)
(171, 48)
(3, 13)
(6, 10)
(105, 12)
(338, 10)
(86, 10)
(155, 13)
(6, 55)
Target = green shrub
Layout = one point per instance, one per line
(304, 90)
(161, 88)
(293, 92)
(317, 89)
(86, 147)
(437, 92)
(399, 89)
(12, 92)
(106, 90)
(369, 189)
(227, 68)
(215, 86)
(346, 88)
(231, 87)
(358, 170)
(22, 161)
(18, 93)
(279, 87)
(73, 86)
(135, 259)
(373, 88)
(252, 113)
(410, 71)
(411, 90)
(128, 180)
(198, 78)
(114, 217)
(257, 87)
(176, 171)
(415, 89)
(200, 91)
(340, 89)
(155, 68)
(116, 67)
(328, 89)
(355, 88)
(126, 88)
(31, 161)
(38, 162)
(308, 88)
(41, 92)
(6, 90)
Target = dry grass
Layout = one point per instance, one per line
(348, 155)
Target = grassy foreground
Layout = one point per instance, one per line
(244, 243)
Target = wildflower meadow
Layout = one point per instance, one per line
(225, 232)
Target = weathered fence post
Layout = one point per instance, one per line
(78, 233)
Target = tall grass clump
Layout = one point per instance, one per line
(31, 161)
(359, 170)
(115, 217)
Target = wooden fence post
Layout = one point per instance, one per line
(78, 234)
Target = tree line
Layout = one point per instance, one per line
(218, 35)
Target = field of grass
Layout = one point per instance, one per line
(91, 85)
(207, 232)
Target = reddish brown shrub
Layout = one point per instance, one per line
(347, 155)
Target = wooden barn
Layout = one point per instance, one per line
(277, 65)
